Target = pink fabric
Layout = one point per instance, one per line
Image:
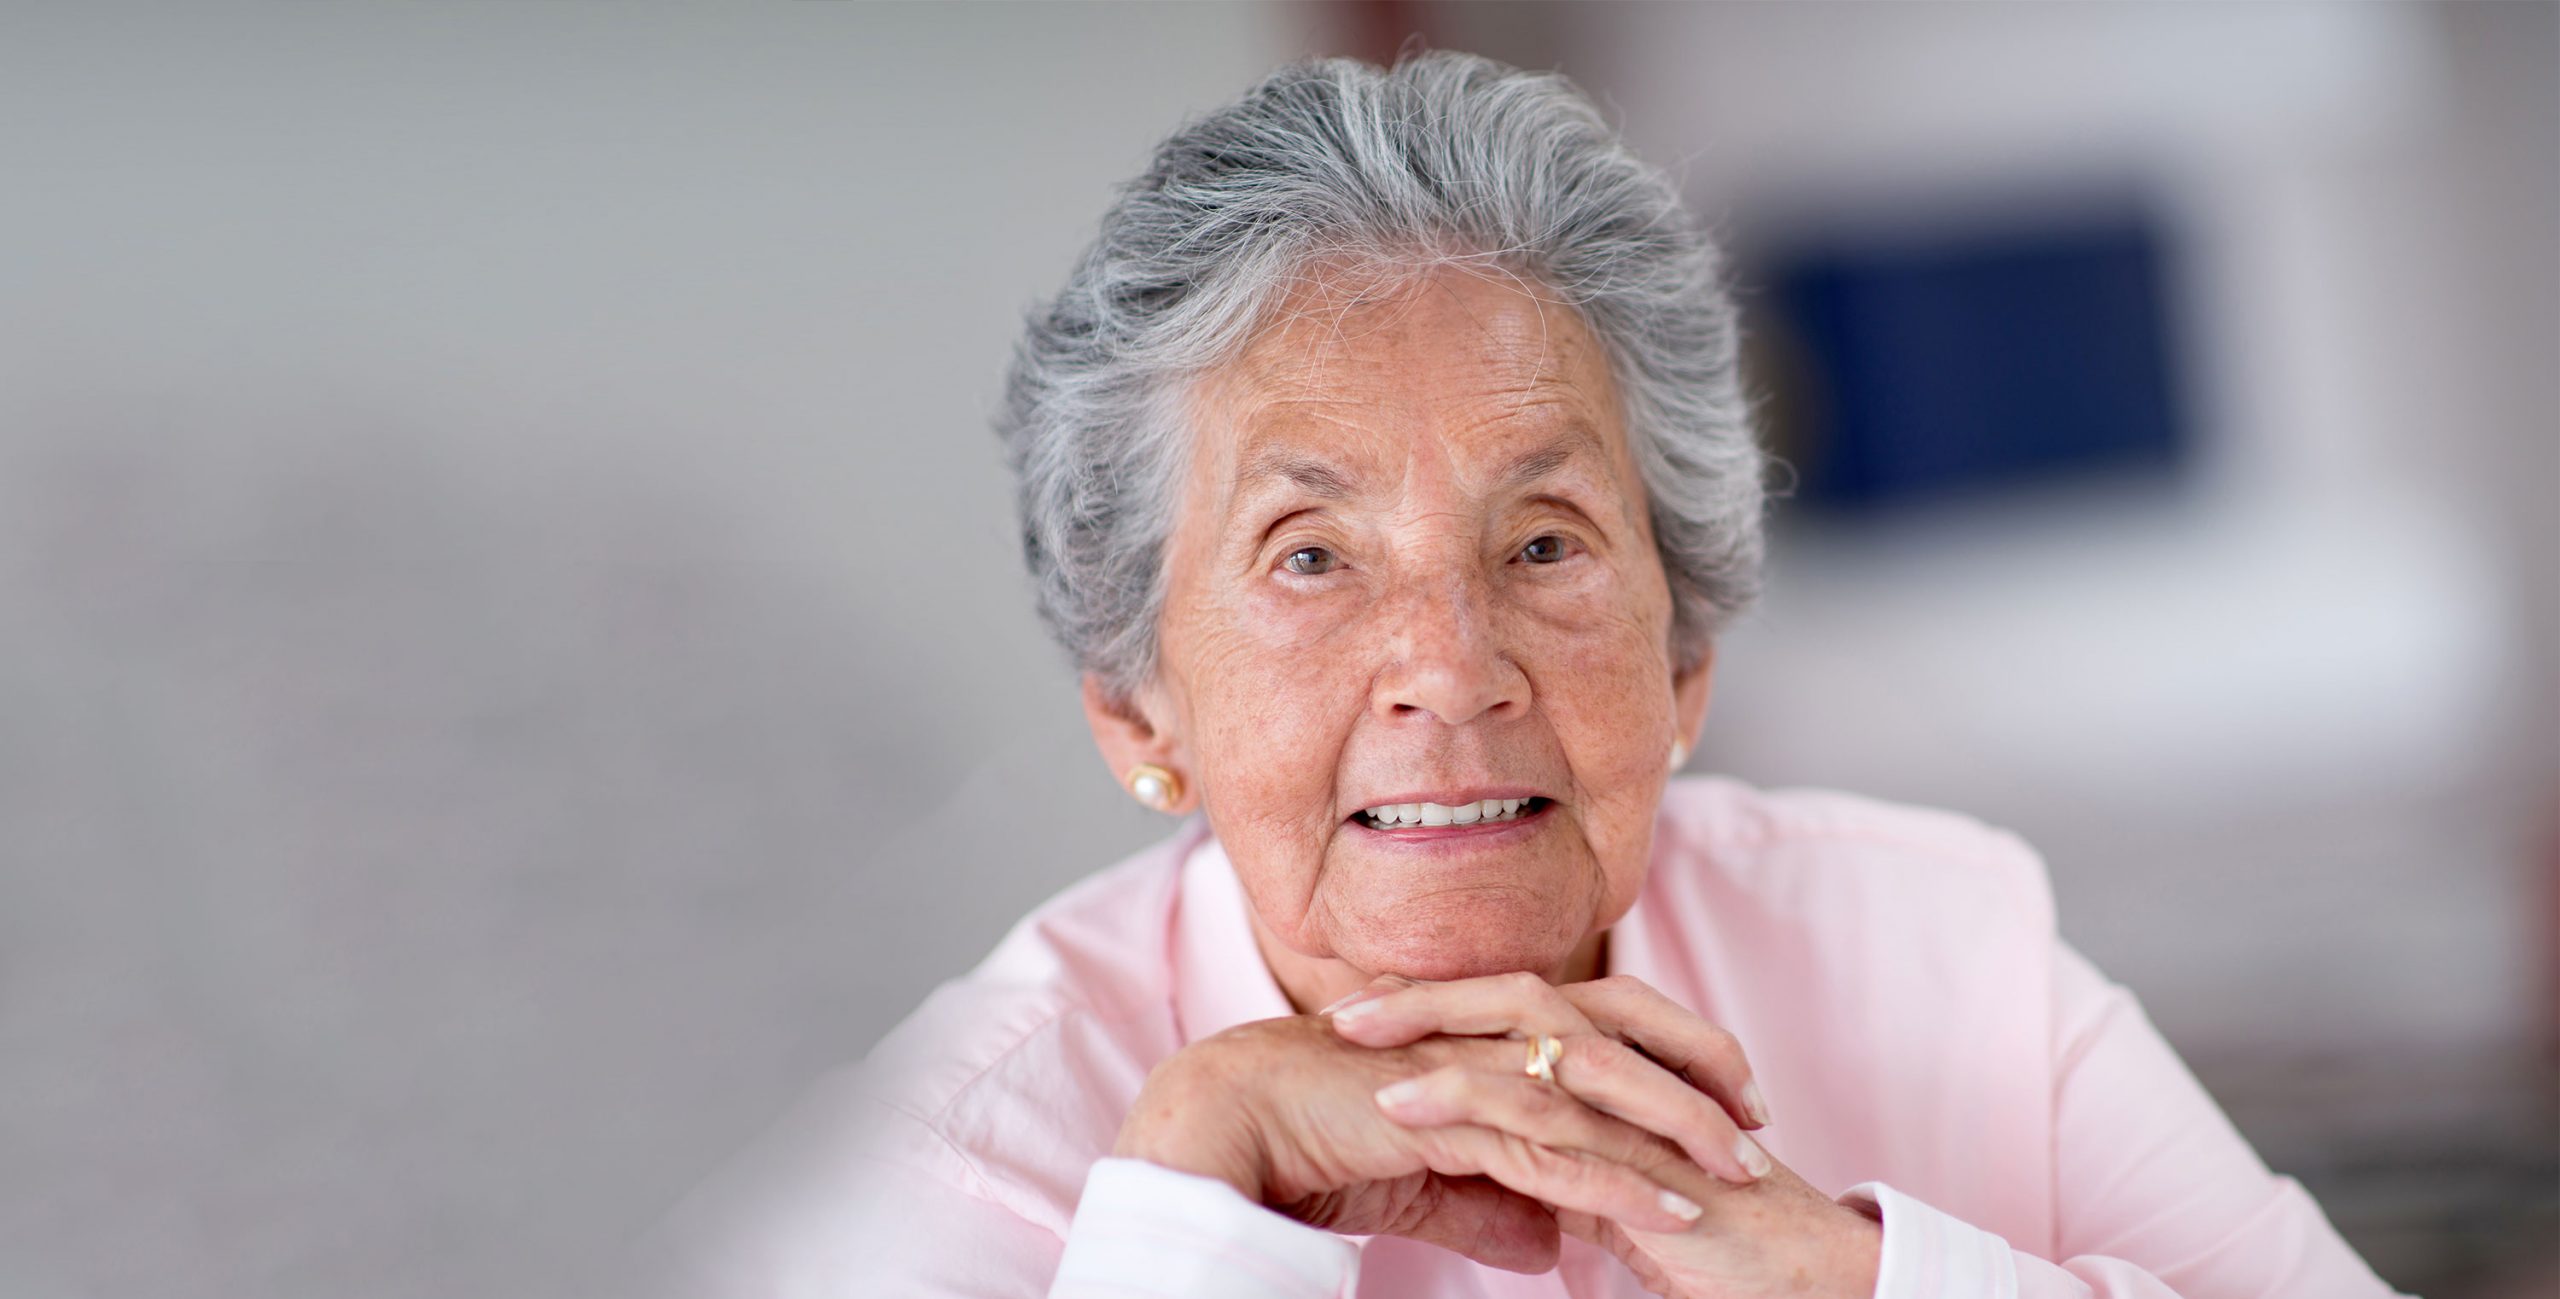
(1924, 1037)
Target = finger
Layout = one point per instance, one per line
(1567, 1179)
(1606, 1100)
(1499, 1003)
(1377, 987)
(1610, 1076)
(1711, 1059)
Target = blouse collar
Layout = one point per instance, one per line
(1219, 978)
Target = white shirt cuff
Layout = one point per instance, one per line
(1142, 1229)
(1928, 1254)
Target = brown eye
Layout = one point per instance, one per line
(1308, 561)
(1544, 550)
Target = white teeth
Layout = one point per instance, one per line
(1438, 814)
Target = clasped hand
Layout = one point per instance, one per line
(1406, 1110)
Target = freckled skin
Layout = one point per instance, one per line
(1428, 649)
(1424, 652)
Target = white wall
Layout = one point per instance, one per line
(513, 653)
(2289, 735)
(2289, 727)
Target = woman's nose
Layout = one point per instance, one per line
(1446, 656)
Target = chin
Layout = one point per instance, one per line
(1465, 938)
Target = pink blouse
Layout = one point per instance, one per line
(1926, 1041)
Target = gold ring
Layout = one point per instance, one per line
(1544, 1052)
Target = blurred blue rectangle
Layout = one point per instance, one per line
(1949, 362)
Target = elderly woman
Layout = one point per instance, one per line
(1384, 468)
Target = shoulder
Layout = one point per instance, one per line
(1000, 1089)
(1014, 1077)
(1803, 848)
(1841, 935)
(1088, 970)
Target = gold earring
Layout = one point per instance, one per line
(1154, 786)
(1679, 755)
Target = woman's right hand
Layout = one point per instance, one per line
(1286, 1111)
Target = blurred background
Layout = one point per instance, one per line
(514, 656)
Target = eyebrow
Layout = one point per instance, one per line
(1312, 476)
(1317, 478)
(1546, 460)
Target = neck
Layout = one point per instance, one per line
(1314, 982)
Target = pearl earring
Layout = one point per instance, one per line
(1154, 786)
(1679, 754)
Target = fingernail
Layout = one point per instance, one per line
(1396, 1096)
(1680, 1206)
(1342, 1001)
(1353, 1014)
(1752, 1101)
(1753, 1161)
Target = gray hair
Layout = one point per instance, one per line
(1444, 158)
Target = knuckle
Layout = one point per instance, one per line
(1590, 1055)
(1736, 1063)
(1718, 1048)
(1550, 1164)
(1454, 1084)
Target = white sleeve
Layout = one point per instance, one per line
(1928, 1253)
(1145, 1230)
(842, 1199)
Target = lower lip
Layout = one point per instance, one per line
(1480, 834)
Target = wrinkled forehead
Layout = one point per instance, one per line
(1355, 369)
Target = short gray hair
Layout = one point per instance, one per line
(1444, 158)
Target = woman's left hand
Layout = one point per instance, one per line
(1623, 1041)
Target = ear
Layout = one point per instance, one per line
(1689, 690)
(1133, 731)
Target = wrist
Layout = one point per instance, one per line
(1196, 1130)
(1863, 1251)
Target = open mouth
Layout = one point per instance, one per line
(1418, 816)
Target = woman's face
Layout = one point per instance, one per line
(1413, 565)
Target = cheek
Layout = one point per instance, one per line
(1292, 670)
(1606, 661)
(1271, 715)
(1265, 684)
(1605, 678)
